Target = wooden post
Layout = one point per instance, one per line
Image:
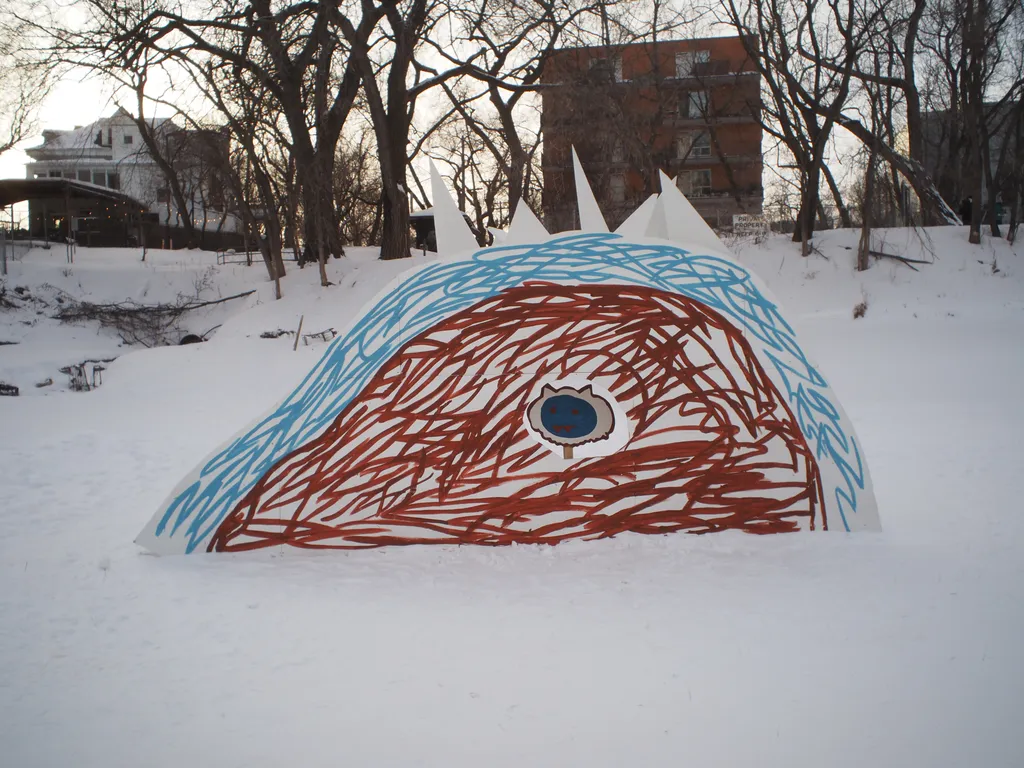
(298, 333)
(67, 223)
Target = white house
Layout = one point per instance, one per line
(110, 153)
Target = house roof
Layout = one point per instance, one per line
(17, 190)
(82, 138)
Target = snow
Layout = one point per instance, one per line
(898, 648)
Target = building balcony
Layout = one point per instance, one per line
(715, 71)
(693, 161)
(69, 154)
(683, 121)
(723, 198)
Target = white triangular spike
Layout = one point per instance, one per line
(656, 226)
(591, 219)
(525, 227)
(638, 221)
(684, 224)
(452, 232)
(498, 236)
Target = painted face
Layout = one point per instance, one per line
(568, 416)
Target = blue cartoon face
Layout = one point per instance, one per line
(568, 416)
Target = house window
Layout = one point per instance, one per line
(54, 174)
(85, 175)
(113, 181)
(99, 177)
(163, 195)
(695, 183)
(688, 62)
(129, 139)
(617, 188)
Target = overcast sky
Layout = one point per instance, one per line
(71, 103)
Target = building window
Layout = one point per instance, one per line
(695, 183)
(618, 151)
(693, 145)
(129, 139)
(113, 181)
(611, 65)
(688, 62)
(694, 105)
(100, 178)
(85, 176)
(163, 195)
(701, 146)
(683, 141)
(617, 188)
(55, 174)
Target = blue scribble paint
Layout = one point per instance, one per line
(444, 288)
(568, 416)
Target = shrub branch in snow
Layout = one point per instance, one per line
(151, 325)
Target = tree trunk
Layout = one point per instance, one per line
(515, 169)
(864, 247)
(809, 200)
(974, 238)
(395, 237)
(977, 187)
(162, 157)
(932, 202)
(1011, 229)
(844, 213)
(321, 229)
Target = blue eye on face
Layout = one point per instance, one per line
(568, 416)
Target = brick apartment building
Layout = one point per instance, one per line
(688, 107)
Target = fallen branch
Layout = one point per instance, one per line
(150, 325)
(201, 304)
(909, 262)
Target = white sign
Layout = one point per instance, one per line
(749, 224)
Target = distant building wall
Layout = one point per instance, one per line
(946, 142)
(688, 107)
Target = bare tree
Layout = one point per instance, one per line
(393, 80)
(791, 41)
(293, 53)
(357, 190)
(25, 80)
(508, 43)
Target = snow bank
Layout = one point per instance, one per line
(899, 648)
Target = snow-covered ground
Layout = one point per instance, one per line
(894, 649)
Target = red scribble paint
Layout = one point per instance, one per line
(434, 450)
